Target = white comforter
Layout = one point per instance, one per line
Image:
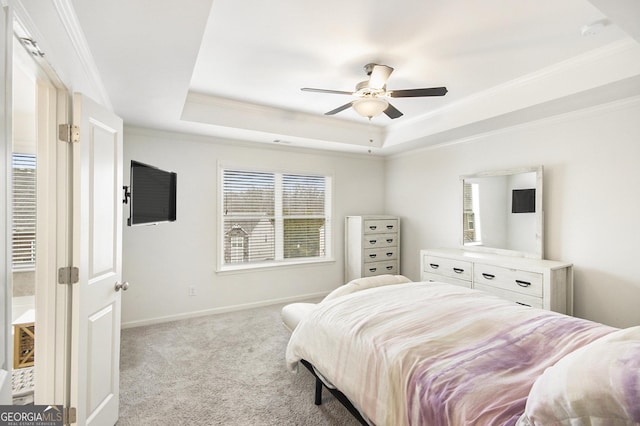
(435, 354)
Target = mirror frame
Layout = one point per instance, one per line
(539, 236)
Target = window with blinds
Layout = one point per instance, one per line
(274, 217)
(24, 212)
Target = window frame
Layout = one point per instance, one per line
(279, 260)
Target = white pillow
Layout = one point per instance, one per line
(598, 385)
(364, 283)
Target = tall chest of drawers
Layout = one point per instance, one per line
(372, 246)
(542, 284)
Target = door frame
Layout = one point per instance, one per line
(52, 243)
(53, 233)
(55, 26)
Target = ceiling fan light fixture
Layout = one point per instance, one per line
(370, 107)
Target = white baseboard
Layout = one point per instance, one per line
(221, 310)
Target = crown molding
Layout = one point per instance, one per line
(621, 47)
(583, 113)
(72, 26)
(596, 68)
(286, 124)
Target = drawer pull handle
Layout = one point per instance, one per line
(373, 241)
(389, 240)
(523, 283)
(523, 304)
(389, 268)
(373, 227)
(389, 254)
(434, 265)
(372, 269)
(458, 270)
(389, 226)
(488, 276)
(373, 255)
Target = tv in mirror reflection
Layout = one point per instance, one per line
(151, 196)
(523, 201)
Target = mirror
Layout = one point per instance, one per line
(502, 212)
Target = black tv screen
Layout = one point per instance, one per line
(152, 195)
(523, 201)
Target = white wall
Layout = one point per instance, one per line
(161, 262)
(591, 199)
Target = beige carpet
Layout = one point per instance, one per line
(225, 369)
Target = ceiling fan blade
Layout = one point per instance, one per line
(340, 108)
(414, 93)
(337, 92)
(392, 112)
(379, 76)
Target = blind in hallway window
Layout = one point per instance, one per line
(24, 212)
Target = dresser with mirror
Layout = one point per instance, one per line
(501, 243)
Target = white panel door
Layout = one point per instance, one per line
(97, 251)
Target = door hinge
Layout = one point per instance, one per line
(69, 133)
(68, 275)
(69, 416)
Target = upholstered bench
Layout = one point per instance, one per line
(293, 313)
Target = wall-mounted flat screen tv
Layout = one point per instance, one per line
(152, 195)
(523, 201)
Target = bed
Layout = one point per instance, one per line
(437, 354)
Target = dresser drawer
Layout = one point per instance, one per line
(522, 299)
(453, 268)
(523, 282)
(380, 240)
(428, 276)
(380, 254)
(380, 226)
(379, 268)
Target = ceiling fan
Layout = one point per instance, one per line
(372, 92)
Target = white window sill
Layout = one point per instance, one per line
(249, 267)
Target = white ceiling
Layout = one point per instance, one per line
(234, 68)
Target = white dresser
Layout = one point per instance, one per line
(542, 284)
(372, 246)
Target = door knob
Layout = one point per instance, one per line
(122, 285)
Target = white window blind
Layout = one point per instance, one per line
(274, 217)
(24, 212)
(248, 203)
(303, 211)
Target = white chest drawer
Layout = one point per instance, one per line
(379, 226)
(379, 268)
(521, 299)
(379, 254)
(380, 240)
(523, 282)
(447, 267)
(427, 276)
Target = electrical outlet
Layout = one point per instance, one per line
(192, 291)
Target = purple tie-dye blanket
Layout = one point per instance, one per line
(435, 354)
